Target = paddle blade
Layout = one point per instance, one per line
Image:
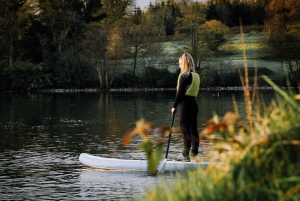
(161, 168)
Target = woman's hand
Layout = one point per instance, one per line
(173, 110)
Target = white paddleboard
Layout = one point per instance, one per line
(135, 165)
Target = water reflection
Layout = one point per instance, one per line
(109, 184)
(42, 136)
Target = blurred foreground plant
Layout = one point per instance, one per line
(153, 148)
(257, 163)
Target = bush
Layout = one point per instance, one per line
(154, 77)
(151, 77)
(255, 161)
(295, 79)
(126, 80)
(22, 75)
(231, 79)
(209, 77)
(4, 82)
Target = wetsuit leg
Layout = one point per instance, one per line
(188, 111)
(194, 128)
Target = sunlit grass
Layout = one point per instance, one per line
(249, 46)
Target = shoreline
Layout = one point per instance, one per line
(97, 90)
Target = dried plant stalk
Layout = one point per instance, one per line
(245, 83)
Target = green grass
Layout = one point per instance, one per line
(228, 62)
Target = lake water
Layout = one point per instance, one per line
(43, 134)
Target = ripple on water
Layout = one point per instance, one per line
(48, 175)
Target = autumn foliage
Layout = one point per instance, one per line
(152, 147)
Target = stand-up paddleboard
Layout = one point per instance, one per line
(135, 165)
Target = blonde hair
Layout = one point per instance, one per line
(188, 63)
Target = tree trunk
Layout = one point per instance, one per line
(291, 70)
(298, 69)
(11, 54)
(113, 75)
(134, 60)
(100, 77)
(106, 80)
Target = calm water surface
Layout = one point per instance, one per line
(42, 136)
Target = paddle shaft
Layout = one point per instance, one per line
(169, 139)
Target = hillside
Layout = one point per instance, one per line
(255, 53)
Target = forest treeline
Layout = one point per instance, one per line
(104, 43)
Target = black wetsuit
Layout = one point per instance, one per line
(187, 112)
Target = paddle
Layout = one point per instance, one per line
(163, 166)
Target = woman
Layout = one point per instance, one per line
(187, 90)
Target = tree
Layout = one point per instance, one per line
(63, 29)
(217, 34)
(251, 12)
(166, 15)
(256, 12)
(92, 11)
(103, 47)
(102, 43)
(189, 25)
(212, 35)
(95, 47)
(283, 29)
(115, 54)
(223, 8)
(116, 10)
(141, 40)
(10, 26)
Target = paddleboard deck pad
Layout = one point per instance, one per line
(135, 165)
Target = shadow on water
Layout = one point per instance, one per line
(42, 136)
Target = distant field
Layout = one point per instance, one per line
(255, 50)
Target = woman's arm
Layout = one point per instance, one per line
(183, 83)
